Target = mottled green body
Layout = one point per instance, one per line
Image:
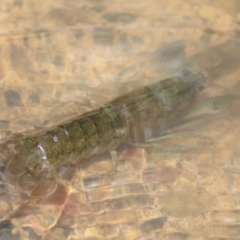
(133, 118)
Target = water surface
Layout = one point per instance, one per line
(62, 58)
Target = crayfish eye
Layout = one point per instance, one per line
(199, 86)
(186, 72)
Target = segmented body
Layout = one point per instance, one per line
(132, 118)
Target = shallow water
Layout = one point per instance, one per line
(62, 58)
